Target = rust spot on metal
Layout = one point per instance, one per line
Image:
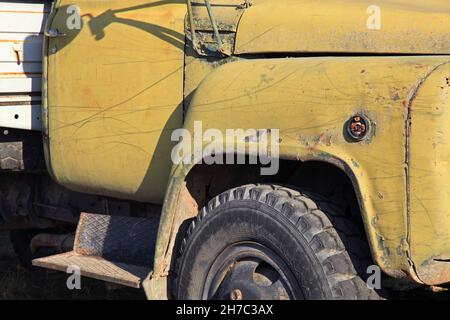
(395, 94)
(187, 207)
(168, 15)
(434, 271)
(325, 139)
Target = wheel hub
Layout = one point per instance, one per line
(249, 272)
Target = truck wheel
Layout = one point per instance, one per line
(261, 242)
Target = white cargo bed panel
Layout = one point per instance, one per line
(14, 69)
(25, 117)
(22, 17)
(21, 38)
(23, 86)
(29, 44)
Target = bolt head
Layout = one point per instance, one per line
(358, 127)
(236, 294)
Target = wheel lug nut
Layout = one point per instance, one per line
(236, 294)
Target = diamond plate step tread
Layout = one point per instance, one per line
(117, 238)
(97, 268)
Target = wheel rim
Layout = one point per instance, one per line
(249, 271)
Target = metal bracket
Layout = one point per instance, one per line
(247, 4)
(219, 48)
(53, 33)
(214, 25)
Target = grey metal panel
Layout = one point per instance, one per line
(117, 238)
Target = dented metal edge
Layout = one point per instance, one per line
(408, 124)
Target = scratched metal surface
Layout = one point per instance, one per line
(110, 114)
(309, 100)
(341, 26)
(110, 132)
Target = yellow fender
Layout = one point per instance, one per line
(310, 101)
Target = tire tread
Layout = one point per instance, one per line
(337, 242)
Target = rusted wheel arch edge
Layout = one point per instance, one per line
(156, 286)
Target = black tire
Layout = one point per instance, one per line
(319, 251)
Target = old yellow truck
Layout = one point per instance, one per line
(349, 100)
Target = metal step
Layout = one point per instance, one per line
(116, 249)
(97, 268)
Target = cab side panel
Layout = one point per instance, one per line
(114, 93)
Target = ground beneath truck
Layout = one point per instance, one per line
(19, 283)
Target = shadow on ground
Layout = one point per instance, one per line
(40, 284)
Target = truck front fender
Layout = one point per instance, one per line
(310, 100)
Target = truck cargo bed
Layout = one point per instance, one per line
(21, 38)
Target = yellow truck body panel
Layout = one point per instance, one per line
(115, 92)
(310, 100)
(398, 26)
(429, 185)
